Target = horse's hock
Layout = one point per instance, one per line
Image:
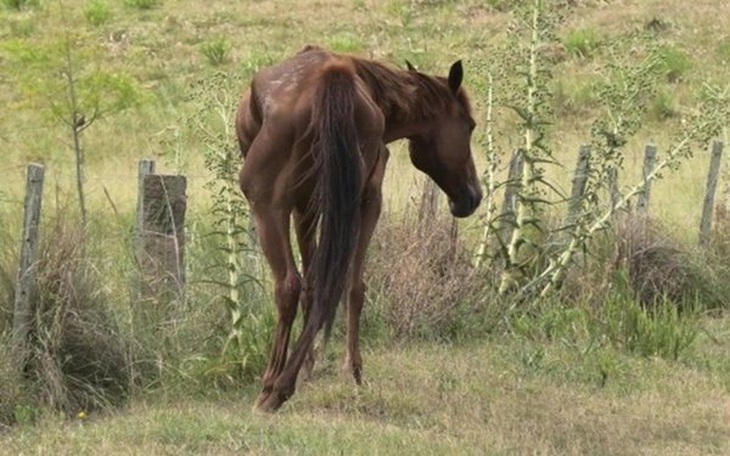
(161, 237)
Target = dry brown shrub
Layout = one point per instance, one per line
(78, 359)
(661, 269)
(658, 269)
(424, 275)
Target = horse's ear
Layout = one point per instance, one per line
(410, 66)
(456, 74)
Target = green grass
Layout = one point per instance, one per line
(217, 52)
(481, 397)
(582, 43)
(97, 12)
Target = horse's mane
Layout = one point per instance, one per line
(393, 89)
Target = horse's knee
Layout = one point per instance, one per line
(289, 288)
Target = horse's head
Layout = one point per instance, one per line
(443, 148)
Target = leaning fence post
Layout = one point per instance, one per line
(613, 189)
(429, 204)
(27, 286)
(709, 202)
(642, 205)
(579, 185)
(509, 207)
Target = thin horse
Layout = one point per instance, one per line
(313, 132)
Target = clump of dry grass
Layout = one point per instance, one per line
(657, 269)
(424, 275)
(78, 359)
(11, 386)
(660, 269)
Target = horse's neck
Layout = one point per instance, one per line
(397, 94)
(405, 116)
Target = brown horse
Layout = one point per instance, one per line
(313, 131)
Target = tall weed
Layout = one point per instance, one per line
(423, 281)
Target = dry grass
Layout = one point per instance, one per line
(660, 269)
(431, 399)
(78, 358)
(422, 273)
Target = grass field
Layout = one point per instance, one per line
(506, 396)
(592, 377)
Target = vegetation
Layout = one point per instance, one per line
(602, 333)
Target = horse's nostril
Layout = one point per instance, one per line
(467, 202)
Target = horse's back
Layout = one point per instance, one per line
(272, 125)
(275, 121)
(291, 83)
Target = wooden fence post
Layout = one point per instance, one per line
(613, 189)
(509, 207)
(161, 237)
(429, 204)
(146, 167)
(579, 185)
(27, 287)
(709, 202)
(642, 206)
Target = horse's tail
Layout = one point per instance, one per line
(337, 157)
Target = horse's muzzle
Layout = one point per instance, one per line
(467, 202)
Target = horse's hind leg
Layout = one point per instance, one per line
(305, 227)
(273, 227)
(370, 212)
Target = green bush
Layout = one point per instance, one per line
(217, 51)
(675, 63)
(97, 12)
(582, 43)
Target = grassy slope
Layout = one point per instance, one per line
(510, 396)
(504, 396)
(161, 49)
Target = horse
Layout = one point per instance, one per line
(313, 131)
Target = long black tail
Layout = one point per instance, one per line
(337, 157)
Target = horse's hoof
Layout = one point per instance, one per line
(357, 375)
(355, 371)
(271, 403)
(260, 400)
(306, 374)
